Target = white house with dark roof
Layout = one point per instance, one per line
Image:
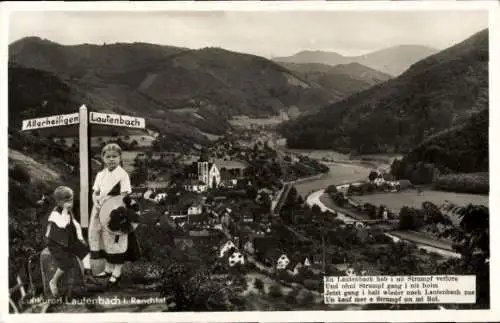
(194, 209)
(282, 262)
(236, 258)
(226, 247)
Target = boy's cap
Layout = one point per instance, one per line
(63, 193)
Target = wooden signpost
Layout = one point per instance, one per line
(83, 118)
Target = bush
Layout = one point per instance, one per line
(382, 239)
(339, 199)
(313, 284)
(373, 175)
(258, 284)
(291, 297)
(370, 209)
(410, 218)
(306, 299)
(332, 189)
(192, 288)
(157, 243)
(367, 188)
(141, 272)
(275, 291)
(20, 173)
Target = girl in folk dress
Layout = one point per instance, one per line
(64, 236)
(105, 246)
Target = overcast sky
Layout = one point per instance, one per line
(262, 33)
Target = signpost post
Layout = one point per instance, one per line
(83, 142)
(83, 117)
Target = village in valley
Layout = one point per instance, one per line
(254, 179)
(234, 210)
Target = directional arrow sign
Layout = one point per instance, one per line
(117, 120)
(82, 118)
(51, 121)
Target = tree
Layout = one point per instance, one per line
(339, 199)
(140, 173)
(257, 215)
(410, 218)
(251, 192)
(370, 209)
(210, 199)
(258, 284)
(316, 210)
(265, 201)
(332, 189)
(372, 176)
(472, 241)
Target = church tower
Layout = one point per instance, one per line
(203, 168)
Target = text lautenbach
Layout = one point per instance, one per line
(115, 120)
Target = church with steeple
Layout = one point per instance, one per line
(208, 172)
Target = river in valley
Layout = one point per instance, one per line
(340, 173)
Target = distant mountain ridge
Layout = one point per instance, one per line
(434, 94)
(174, 77)
(392, 60)
(342, 80)
(182, 92)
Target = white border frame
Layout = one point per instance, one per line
(293, 316)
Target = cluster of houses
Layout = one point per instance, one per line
(282, 262)
(205, 174)
(279, 261)
(390, 185)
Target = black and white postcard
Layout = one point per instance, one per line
(238, 162)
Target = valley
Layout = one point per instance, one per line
(255, 177)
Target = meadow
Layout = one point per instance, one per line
(143, 140)
(321, 155)
(246, 122)
(395, 201)
(128, 158)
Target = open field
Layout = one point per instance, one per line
(128, 158)
(143, 140)
(339, 174)
(321, 154)
(36, 169)
(242, 121)
(394, 201)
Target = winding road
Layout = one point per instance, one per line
(422, 243)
